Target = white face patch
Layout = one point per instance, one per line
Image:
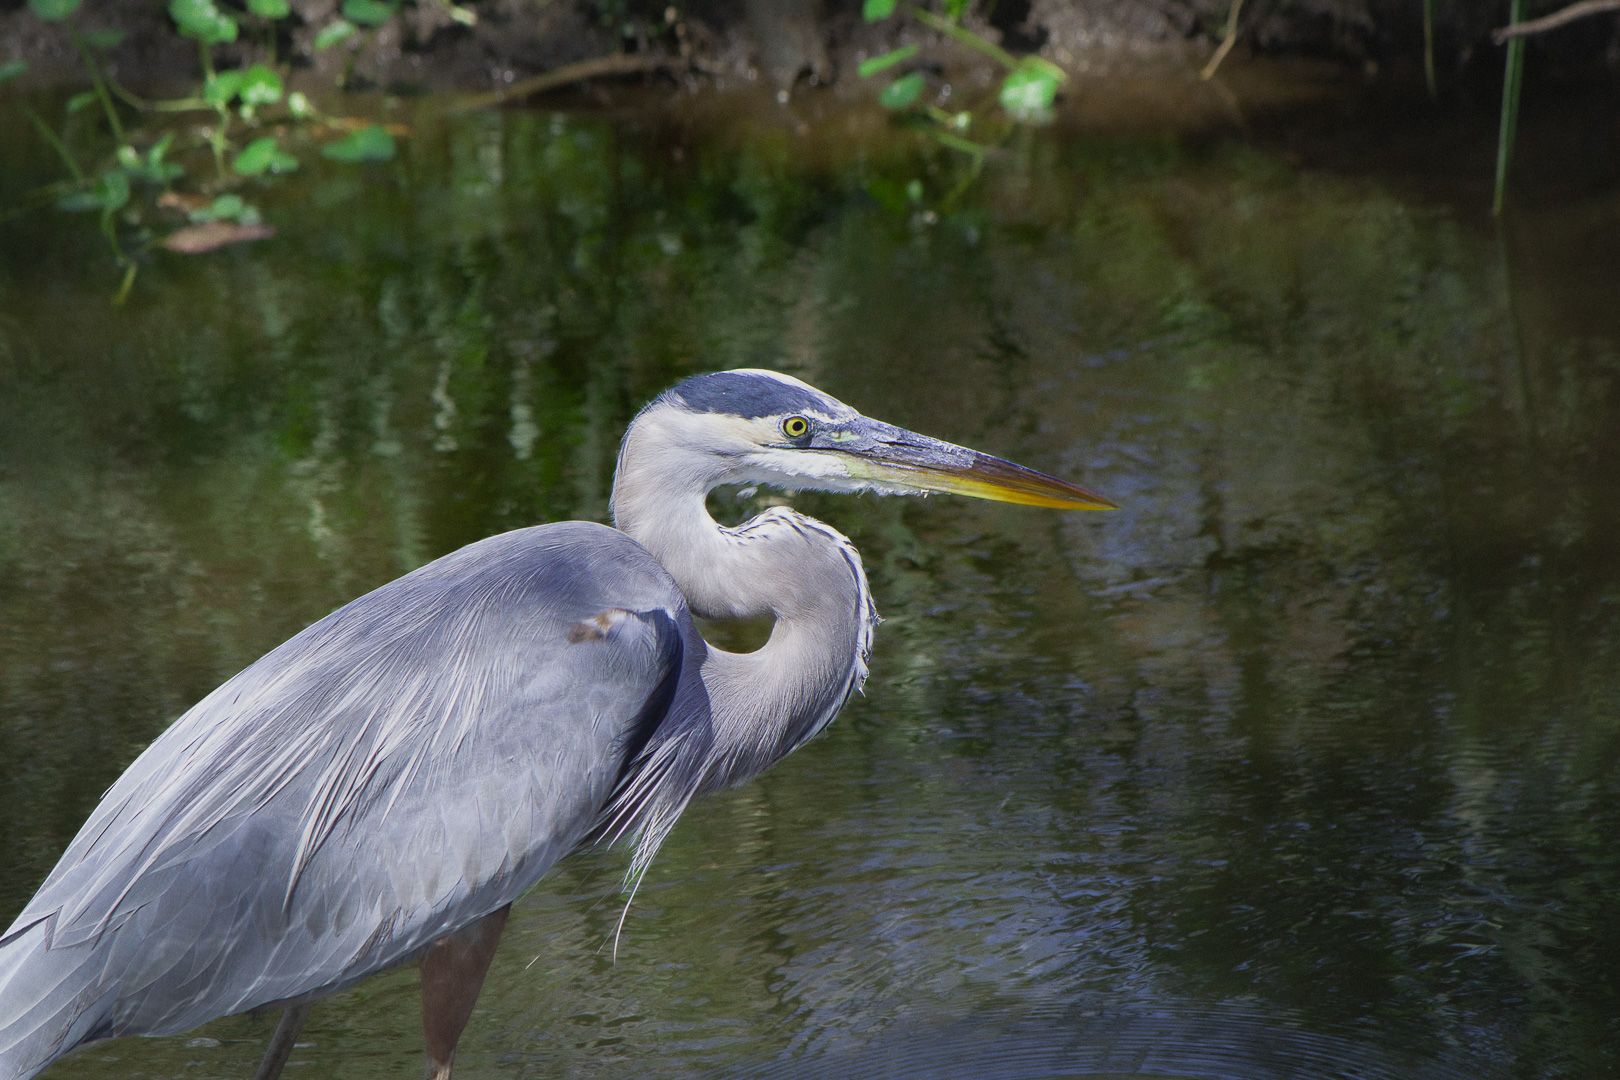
(776, 462)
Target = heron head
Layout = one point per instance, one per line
(753, 426)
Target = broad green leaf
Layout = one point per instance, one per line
(112, 190)
(203, 21)
(902, 92)
(332, 33)
(263, 155)
(12, 68)
(102, 39)
(269, 9)
(228, 207)
(1030, 88)
(80, 101)
(368, 12)
(260, 86)
(114, 187)
(152, 168)
(53, 10)
(877, 10)
(368, 144)
(222, 86)
(875, 64)
(155, 169)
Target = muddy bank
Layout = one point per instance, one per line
(486, 44)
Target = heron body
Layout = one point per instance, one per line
(382, 786)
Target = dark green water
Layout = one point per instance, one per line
(1303, 763)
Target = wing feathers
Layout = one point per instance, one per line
(410, 763)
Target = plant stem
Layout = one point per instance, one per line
(1227, 41)
(1558, 18)
(109, 229)
(100, 86)
(124, 286)
(956, 142)
(216, 142)
(55, 143)
(966, 37)
(594, 68)
(1512, 84)
(1428, 50)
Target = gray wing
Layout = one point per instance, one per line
(413, 761)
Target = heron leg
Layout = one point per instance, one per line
(281, 1043)
(453, 971)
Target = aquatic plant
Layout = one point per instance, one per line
(147, 184)
(1027, 90)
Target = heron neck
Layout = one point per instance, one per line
(767, 702)
(803, 573)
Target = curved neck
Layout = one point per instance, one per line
(804, 574)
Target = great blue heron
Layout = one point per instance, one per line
(382, 786)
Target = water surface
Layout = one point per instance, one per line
(1302, 763)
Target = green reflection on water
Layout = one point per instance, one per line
(1321, 727)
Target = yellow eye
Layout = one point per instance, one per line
(795, 427)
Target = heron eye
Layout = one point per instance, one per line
(795, 427)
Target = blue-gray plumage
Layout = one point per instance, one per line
(380, 788)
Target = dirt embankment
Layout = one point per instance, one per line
(485, 44)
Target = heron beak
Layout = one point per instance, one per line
(894, 457)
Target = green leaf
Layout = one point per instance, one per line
(111, 190)
(12, 68)
(260, 86)
(875, 64)
(109, 194)
(228, 207)
(202, 20)
(877, 10)
(102, 39)
(221, 87)
(1030, 88)
(368, 12)
(80, 101)
(263, 155)
(332, 33)
(902, 92)
(269, 9)
(955, 9)
(53, 10)
(154, 168)
(368, 144)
